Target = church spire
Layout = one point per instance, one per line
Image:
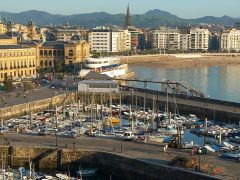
(128, 18)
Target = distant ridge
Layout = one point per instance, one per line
(152, 18)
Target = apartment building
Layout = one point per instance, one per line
(199, 39)
(166, 38)
(230, 40)
(106, 39)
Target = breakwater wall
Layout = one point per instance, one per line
(222, 111)
(36, 106)
(121, 166)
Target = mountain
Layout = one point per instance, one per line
(152, 18)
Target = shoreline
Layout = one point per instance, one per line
(172, 62)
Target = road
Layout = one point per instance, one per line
(149, 152)
(19, 96)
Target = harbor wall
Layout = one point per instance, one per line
(120, 166)
(35, 106)
(222, 111)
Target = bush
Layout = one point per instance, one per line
(28, 85)
(8, 84)
(185, 162)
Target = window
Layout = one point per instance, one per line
(59, 52)
(41, 53)
(70, 53)
(45, 52)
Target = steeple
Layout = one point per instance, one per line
(128, 18)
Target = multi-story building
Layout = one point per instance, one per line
(3, 27)
(199, 39)
(6, 40)
(230, 40)
(50, 53)
(124, 40)
(76, 52)
(166, 38)
(17, 61)
(53, 52)
(65, 33)
(184, 38)
(106, 39)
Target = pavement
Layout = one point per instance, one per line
(44, 91)
(149, 152)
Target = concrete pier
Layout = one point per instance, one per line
(222, 111)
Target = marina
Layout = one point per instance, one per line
(121, 122)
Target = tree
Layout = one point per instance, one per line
(28, 85)
(60, 76)
(8, 84)
(59, 67)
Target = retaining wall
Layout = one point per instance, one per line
(121, 166)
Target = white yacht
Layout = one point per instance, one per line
(106, 65)
(103, 62)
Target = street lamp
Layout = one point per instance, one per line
(199, 159)
(122, 144)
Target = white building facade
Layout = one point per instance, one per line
(230, 40)
(199, 39)
(105, 39)
(165, 38)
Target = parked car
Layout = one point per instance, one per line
(3, 130)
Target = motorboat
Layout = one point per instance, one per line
(128, 135)
(86, 172)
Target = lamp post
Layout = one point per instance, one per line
(56, 126)
(122, 144)
(199, 159)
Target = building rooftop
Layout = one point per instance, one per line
(30, 43)
(4, 36)
(13, 34)
(96, 76)
(13, 47)
(53, 44)
(98, 82)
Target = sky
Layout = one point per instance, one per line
(181, 8)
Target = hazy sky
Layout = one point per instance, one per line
(181, 8)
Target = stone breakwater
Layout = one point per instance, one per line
(36, 106)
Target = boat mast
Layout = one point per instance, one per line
(120, 110)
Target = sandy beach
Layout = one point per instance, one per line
(187, 62)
